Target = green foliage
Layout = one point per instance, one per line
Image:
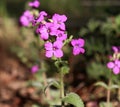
(100, 36)
(93, 25)
(65, 70)
(102, 84)
(104, 104)
(62, 66)
(52, 83)
(96, 70)
(73, 99)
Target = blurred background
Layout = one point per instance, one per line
(97, 21)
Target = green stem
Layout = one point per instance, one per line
(108, 97)
(109, 90)
(61, 88)
(119, 94)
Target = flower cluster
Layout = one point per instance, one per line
(51, 30)
(114, 64)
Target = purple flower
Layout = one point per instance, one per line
(116, 49)
(40, 17)
(34, 68)
(34, 4)
(54, 49)
(59, 20)
(51, 28)
(43, 31)
(26, 18)
(78, 46)
(115, 66)
(61, 35)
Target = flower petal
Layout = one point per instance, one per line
(49, 54)
(34, 68)
(110, 65)
(116, 70)
(58, 53)
(76, 51)
(58, 44)
(73, 42)
(118, 63)
(48, 46)
(82, 50)
(81, 42)
(115, 49)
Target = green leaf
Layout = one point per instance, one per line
(60, 63)
(73, 99)
(101, 84)
(52, 83)
(114, 86)
(93, 24)
(104, 104)
(83, 31)
(57, 64)
(117, 20)
(65, 70)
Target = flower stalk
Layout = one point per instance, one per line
(109, 90)
(119, 94)
(108, 95)
(62, 88)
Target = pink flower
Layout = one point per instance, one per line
(116, 49)
(115, 66)
(43, 31)
(34, 68)
(40, 18)
(61, 35)
(34, 4)
(59, 20)
(26, 18)
(78, 46)
(54, 49)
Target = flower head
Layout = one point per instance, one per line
(59, 20)
(34, 68)
(115, 66)
(78, 46)
(26, 18)
(54, 49)
(34, 4)
(116, 49)
(40, 18)
(43, 31)
(61, 35)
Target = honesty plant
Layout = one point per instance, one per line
(114, 66)
(114, 63)
(52, 31)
